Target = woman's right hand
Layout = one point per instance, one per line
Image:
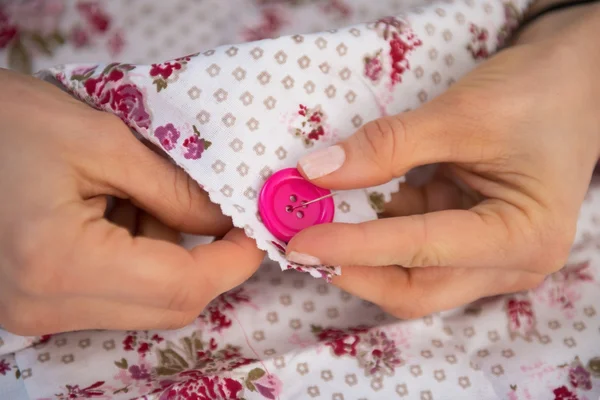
(63, 265)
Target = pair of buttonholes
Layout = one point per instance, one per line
(290, 208)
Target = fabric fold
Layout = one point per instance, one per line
(233, 115)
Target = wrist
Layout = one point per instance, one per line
(570, 38)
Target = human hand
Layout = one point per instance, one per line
(517, 139)
(63, 265)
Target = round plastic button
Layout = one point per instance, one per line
(281, 204)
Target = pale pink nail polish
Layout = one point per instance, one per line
(303, 259)
(323, 162)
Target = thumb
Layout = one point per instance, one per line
(387, 148)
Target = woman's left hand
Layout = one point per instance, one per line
(517, 139)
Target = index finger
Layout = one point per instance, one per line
(476, 238)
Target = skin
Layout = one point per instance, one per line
(63, 265)
(517, 140)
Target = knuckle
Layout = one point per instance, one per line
(553, 246)
(425, 254)
(184, 188)
(413, 304)
(378, 143)
(184, 299)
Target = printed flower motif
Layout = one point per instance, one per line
(4, 367)
(167, 136)
(563, 393)
(311, 128)
(268, 385)
(79, 37)
(128, 104)
(140, 341)
(377, 354)
(194, 370)
(271, 22)
(339, 7)
(75, 392)
(478, 45)
(373, 67)
(195, 145)
(32, 27)
(228, 301)
(168, 71)
(192, 385)
(400, 47)
(341, 341)
(7, 29)
(562, 291)
(521, 319)
(94, 15)
(577, 272)
(402, 41)
(579, 376)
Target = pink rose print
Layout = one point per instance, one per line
(215, 312)
(270, 24)
(341, 341)
(168, 71)
(195, 145)
(579, 376)
(562, 290)
(563, 393)
(31, 28)
(7, 29)
(311, 126)
(374, 67)
(377, 354)
(194, 386)
(402, 41)
(478, 45)
(339, 7)
(140, 341)
(167, 136)
(40, 16)
(79, 37)
(4, 367)
(268, 385)
(400, 47)
(89, 392)
(116, 43)
(128, 103)
(164, 70)
(95, 16)
(521, 319)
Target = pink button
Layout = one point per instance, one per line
(280, 204)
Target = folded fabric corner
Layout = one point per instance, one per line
(234, 115)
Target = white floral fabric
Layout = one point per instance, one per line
(275, 80)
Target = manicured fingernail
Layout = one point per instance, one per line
(303, 259)
(323, 162)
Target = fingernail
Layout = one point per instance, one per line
(303, 259)
(322, 162)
